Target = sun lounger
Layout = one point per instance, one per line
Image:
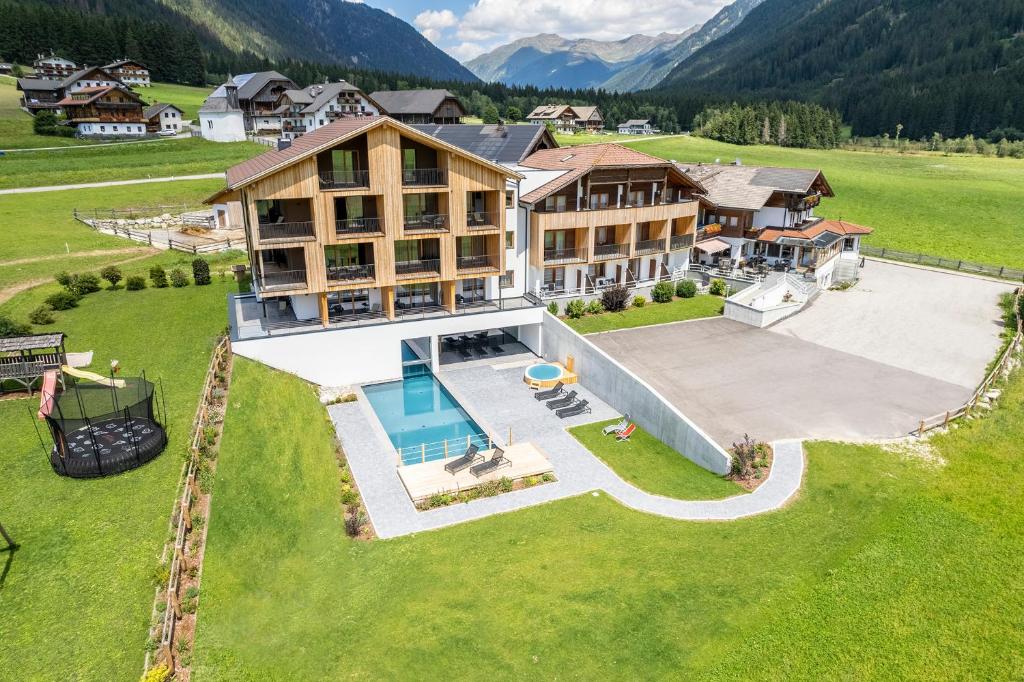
(573, 410)
(463, 351)
(617, 427)
(497, 461)
(472, 456)
(565, 401)
(626, 433)
(555, 391)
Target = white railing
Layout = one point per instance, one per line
(448, 448)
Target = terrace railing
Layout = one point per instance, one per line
(358, 226)
(344, 179)
(573, 255)
(480, 220)
(302, 229)
(486, 262)
(1000, 271)
(424, 176)
(650, 246)
(449, 448)
(283, 279)
(680, 241)
(350, 273)
(611, 251)
(413, 268)
(427, 222)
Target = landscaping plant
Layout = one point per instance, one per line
(718, 287)
(200, 272)
(41, 315)
(85, 283)
(686, 288)
(8, 327)
(614, 299)
(112, 274)
(662, 292)
(575, 309)
(158, 277)
(595, 307)
(62, 300)
(179, 278)
(553, 308)
(639, 302)
(135, 283)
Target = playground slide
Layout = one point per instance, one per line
(46, 393)
(92, 376)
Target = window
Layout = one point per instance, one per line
(321, 121)
(209, 123)
(510, 239)
(849, 244)
(599, 200)
(115, 129)
(554, 278)
(344, 160)
(508, 279)
(103, 129)
(555, 203)
(636, 197)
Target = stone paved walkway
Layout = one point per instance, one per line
(392, 513)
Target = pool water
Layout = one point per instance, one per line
(418, 411)
(544, 372)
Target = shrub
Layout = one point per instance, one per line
(686, 288)
(614, 299)
(135, 283)
(179, 278)
(8, 327)
(662, 292)
(355, 520)
(718, 287)
(158, 277)
(161, 574)
(553, 308)
(62, 300)
(160, 673)
(595, 307)
(112, 274)
(547, 478)
(41, 315)
(490, 489)
(639, 302)
(63, 278)
(348, 495)
(575, 309)
(505, 484)
(744, 454)
(85, 283)
(200, 272)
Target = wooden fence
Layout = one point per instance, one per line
(1000, 271)
(944, 418)
(160, 241)
(181, 519)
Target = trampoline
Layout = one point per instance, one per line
(101, 430)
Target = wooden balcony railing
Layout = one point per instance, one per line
(610, 251)
(350, 273)
(417, 268)
(356, 226)
(650, 246)
(680, 241)
(276, 280)
(486, 262)
(427, 222)
(481, 220)
(412, 177)
(565, 256)
(302, 229)
(344, 179)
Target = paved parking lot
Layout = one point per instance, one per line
(864, 363)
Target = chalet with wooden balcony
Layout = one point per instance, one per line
(307, 109)
(420, 106)
(603, 214)
(105, 111)
(52, 67)
(46, 93)
(130, 72)
(568, 118)
(368, 218)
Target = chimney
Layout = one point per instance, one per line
(283, 144)
(231, 93)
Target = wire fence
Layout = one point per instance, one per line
(1002, 365)
(1000, 271)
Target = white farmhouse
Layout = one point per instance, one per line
(220, 117)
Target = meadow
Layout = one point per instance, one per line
(16, 126)
(188, 98)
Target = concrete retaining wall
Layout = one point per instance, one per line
(620, 388)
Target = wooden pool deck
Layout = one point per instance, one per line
(429, 478)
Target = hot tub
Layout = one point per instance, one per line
(543, 374)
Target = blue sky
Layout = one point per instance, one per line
(466, 28)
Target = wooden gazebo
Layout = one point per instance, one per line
(24, 359)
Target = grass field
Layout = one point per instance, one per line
(16, 126)
(650, 465)
(652, 313)
(964, 207)
(886, 566)
(76, 599)
(186, 97)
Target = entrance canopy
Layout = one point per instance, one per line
(710, 246)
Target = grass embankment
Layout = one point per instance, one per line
(677, 310)
(650, 465)
(885, 566)
(16, 125)
(962, 207)
(76, 600)
(188, 98)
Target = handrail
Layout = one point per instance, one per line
(611, 251)
(405, 268)
(364, 225)
(478, 220)
(650, 246)
(343, 273)
(552, 255)
(344, 178)
(481, 261)
(448, 448)
(424, 176)
(290, 230)
(426, 221)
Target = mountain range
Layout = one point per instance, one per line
(633, 63)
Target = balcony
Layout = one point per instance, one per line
(560, 256)
(610, 251)
(708, 231)
(298, 231)
(482, 220)
(680, 241)
(424, 177)
(427, 222)
(293, 128)
(650, 246)
(359, 226)
(405, 269)
(344, 179)
(344, 274)
(484, 263)
(280, 280)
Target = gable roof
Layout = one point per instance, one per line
(508, 144)
(581, 159)
(122, 62)
(838, 228)
(749, 188)
(586, 112)
(411, 101)
(94, 93)
(326, 137)
(549, 111)
(316, 96)
(51, 84)
(635, 122)
(249, 84)
(157, 107)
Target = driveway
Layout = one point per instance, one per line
(868, 362)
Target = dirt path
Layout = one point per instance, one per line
(79, 254)
(15, 289)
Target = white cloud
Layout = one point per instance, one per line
(432, 23)
(465, 51)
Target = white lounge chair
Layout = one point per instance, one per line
(616, 428)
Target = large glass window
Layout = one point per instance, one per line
(599, 200)
(348, 254)
(554, 278)
(417, 295)
(510, 239)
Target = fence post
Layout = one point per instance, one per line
(149, 236)
(446, 448)
(945, 422)
(423, 452)
(920, 430)
(510, 435)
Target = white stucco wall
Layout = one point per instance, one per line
(222, 126)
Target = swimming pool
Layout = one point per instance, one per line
(419, 415)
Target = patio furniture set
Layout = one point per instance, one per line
(476, 463)
(564, 404)
(481, 344)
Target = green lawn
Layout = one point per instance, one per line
(41, 223)
(16, 125)
(964, 207)
(884, 567)
(161, 158)
(652, 313)
(188, 98)
(650, 465)
(76, 601)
